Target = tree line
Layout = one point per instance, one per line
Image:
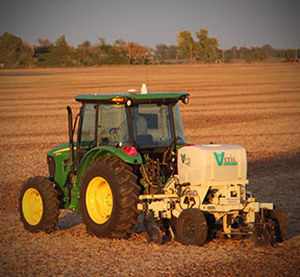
(16, 53)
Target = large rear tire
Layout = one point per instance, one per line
(108, 198)
(39, 205)
(191, 227)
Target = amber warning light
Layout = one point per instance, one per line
(118, 99)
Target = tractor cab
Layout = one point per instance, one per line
(134, 122)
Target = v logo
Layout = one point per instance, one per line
(219, 158)
(183, 158)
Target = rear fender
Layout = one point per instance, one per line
(104, 151)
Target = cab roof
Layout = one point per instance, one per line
(134, 97)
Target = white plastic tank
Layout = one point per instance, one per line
(211, 163)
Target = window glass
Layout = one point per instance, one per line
(152, 125)
(88, 124)
(180, 137)
(112, 124)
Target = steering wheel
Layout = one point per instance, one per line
(113, 133)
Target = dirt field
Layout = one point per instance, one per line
(257, 106)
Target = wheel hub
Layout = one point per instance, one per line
(32, 205)
(99, 200)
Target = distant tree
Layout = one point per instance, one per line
(120, 43)
(44, 42)
(186, 45)
(86, 54)
(244, 52)
(161, 51)
(164, 52)
(137, 53)
(234, 52)
(85, 44)
(14, 52)
(205, 49)
(267, 48)
(256, 54)
(60, 54)
(41, 50)
(112, 54)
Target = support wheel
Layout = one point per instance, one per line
(271, 228)
(108, 198)
(281, 228)
(191, 227)
(154, 234)
(39, 205)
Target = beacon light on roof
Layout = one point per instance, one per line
(118, 99)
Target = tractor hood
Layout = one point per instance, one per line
(63, 149)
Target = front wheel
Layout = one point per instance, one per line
(39, 205)
(108, 198)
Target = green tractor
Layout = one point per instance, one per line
(131, 159)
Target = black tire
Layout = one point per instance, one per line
(211, 226)
(281, 228)
(124, 197)
(261, 235)
(272, 230)
(191, 227)
(39, 197)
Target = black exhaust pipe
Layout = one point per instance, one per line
(71, 133)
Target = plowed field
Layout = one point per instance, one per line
(257, 106)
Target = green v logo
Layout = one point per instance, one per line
(183, 158)
(219, 158)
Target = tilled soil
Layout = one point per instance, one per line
(71, 252)
(254, 106)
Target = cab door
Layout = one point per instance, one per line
(86, 138)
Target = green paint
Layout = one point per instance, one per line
(219, 158)
(136, 96)
(61, 155)
(226, 161)
(232, 163)
(182, 158)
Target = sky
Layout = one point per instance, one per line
(232, 22)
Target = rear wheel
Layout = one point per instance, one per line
(39, 205)
(108, 198)
(191, 227)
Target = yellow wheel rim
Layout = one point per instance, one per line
(99, 200)
(32, 205)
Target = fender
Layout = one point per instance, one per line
(103, 151)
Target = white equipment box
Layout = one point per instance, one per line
(212, 163)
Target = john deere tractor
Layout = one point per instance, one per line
(131, 158)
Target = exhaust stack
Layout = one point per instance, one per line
(71, 133)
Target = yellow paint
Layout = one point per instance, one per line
(32, 206)
(58, 152)
(99, 200)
